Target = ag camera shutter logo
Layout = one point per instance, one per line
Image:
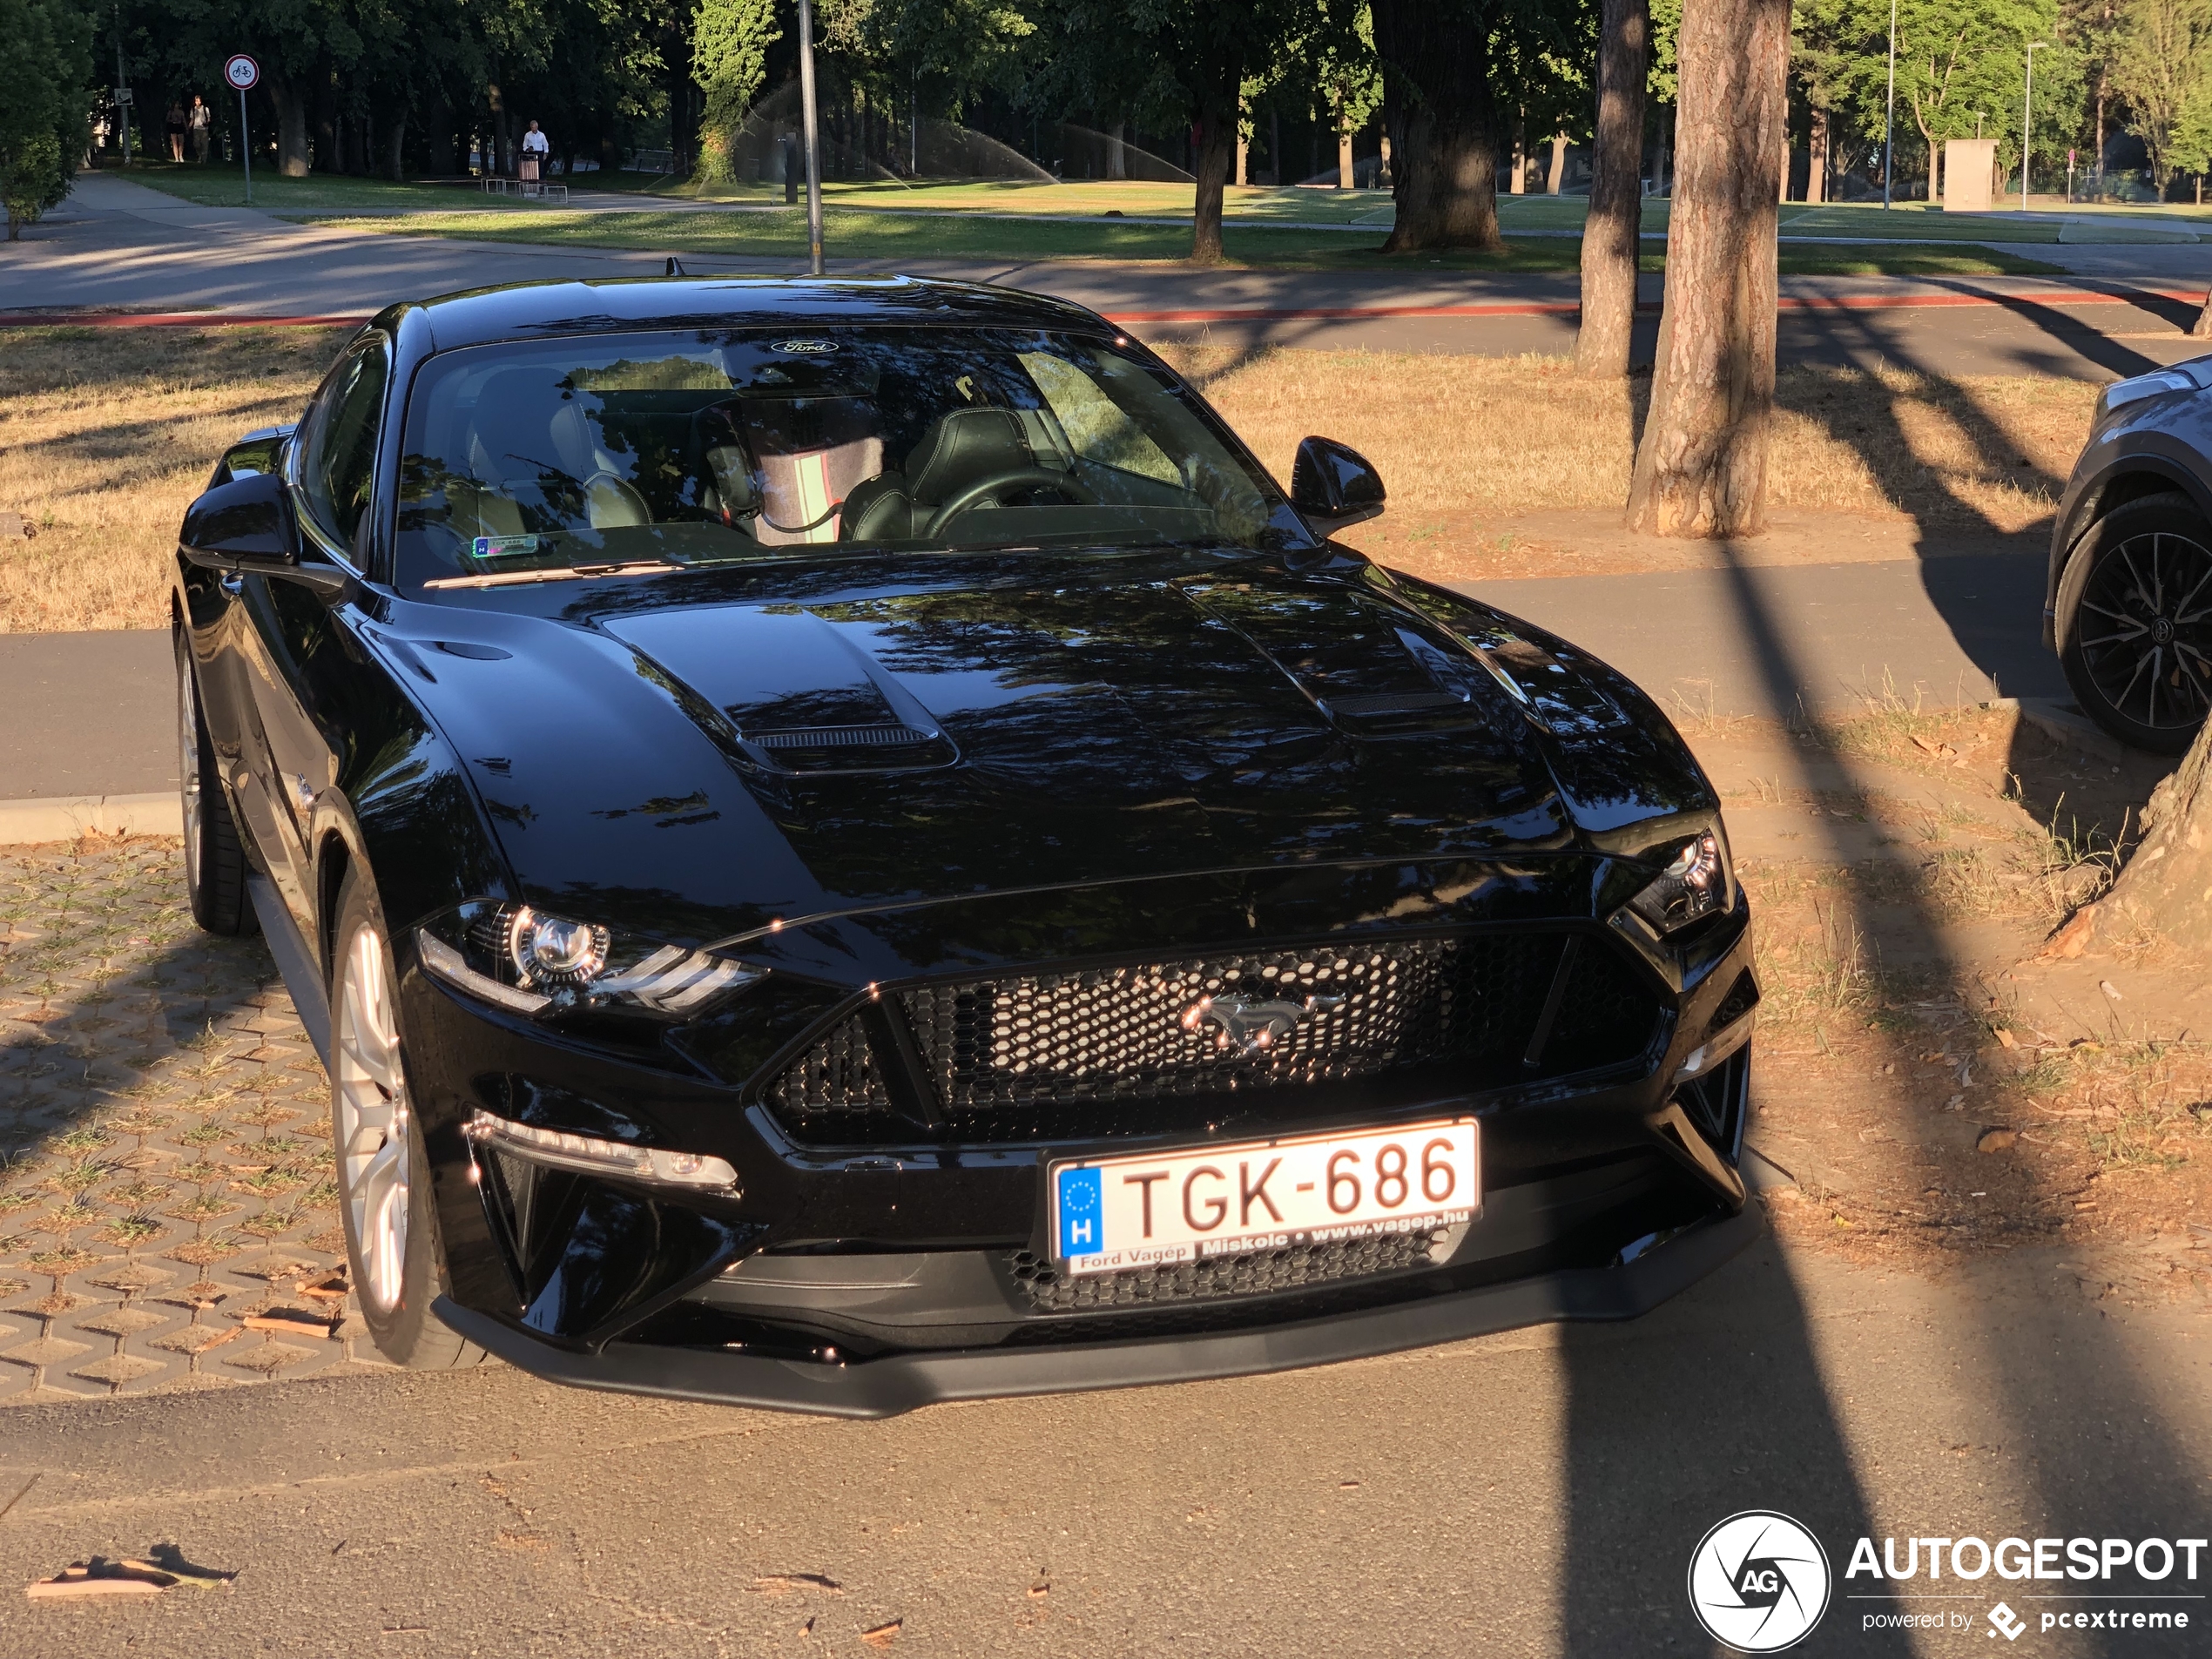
(1759, 1581)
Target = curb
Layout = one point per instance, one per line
(65, 818)
(2065, 724)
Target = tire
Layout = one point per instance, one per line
(215, 867)
(396, 1265)
(2134, 623)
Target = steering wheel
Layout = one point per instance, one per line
(1000, 482)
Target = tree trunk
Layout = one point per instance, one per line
(1701, 468)
(1935, 171)
(1274, 147)
(1117, 152)
(1662, 169)
(2201, 329)
(1344, 180)
(1518, 185)
(1611, 236)
(291, 127)
(2166, 884)
(396, 146)
(1216, 154)
(1556, 173)
(1436, 77)
(1816, 167)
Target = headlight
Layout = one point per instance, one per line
(2158, 383)
(532, 961)
(1695, 883)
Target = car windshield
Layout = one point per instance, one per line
(704, 447)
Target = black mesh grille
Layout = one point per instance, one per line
(1042, 1055)
(1741, 998)
(1605, 1017)
(1253, 1274)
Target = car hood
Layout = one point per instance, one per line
(704, 758)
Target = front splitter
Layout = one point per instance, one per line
(901, 1383)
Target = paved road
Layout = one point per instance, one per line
(96, 708)
(1528, 1494)
(86, 714)
(118, 243)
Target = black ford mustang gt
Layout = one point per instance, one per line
(846, 846)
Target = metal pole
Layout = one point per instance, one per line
(813, 155)
(914, 130)
(2027, 111)
(246, 146)
(1889, 120)
(122, 109)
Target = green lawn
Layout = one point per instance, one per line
(854, 233)
(225, 186)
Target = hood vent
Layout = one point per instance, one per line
(840, 737)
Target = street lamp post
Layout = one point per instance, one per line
(1888, 120)
(2028, 113)
(814, 151)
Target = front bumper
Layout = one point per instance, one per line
(886, 1386)
(1605, 1191)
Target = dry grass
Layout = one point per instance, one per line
(107, 435)
(1489, 434)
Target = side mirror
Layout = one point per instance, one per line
(244, 525)
(1333, 485)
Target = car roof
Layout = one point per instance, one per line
(539, 310)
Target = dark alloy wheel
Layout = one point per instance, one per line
(2135, 620)
(215, 867)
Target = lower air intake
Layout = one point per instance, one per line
(1290, 1268)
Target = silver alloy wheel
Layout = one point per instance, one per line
(188, 762)
(372, 1120)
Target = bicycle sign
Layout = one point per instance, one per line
(242, 72)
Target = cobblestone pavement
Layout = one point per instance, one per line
(165, 1189)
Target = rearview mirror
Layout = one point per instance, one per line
(244, 525)
(1333, 485)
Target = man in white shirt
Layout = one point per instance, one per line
(535, 148)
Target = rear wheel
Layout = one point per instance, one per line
(215, 867)
(383, 1175)
(2134, 612)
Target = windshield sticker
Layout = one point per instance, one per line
(505, 547)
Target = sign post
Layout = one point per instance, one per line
(245, 74)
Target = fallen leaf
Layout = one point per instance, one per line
(2005, 1039)
(883, 1636)
(2106, 986)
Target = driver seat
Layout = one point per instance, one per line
(961, 447)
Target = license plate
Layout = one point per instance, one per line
(1146, 1211)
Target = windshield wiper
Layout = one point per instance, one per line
(553, 573)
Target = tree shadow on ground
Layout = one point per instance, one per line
(2100, 1459)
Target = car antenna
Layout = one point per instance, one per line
(675, 266)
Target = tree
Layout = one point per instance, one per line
(730, 41)
(2167, 883)
(1701, 468)
(1442, 115)
(1611, 235)
(2160, 67)
(42, 75)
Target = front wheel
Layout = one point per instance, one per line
(2134, 623)
(383, 1174)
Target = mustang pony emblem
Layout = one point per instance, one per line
(1249, 1024)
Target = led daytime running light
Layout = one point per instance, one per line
(590, 1156)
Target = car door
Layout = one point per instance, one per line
(290, 644)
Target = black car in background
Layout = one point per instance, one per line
(846, 845)
(2128, 599)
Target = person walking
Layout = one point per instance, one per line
(176, 129)
(197, 121)
(535, 148)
